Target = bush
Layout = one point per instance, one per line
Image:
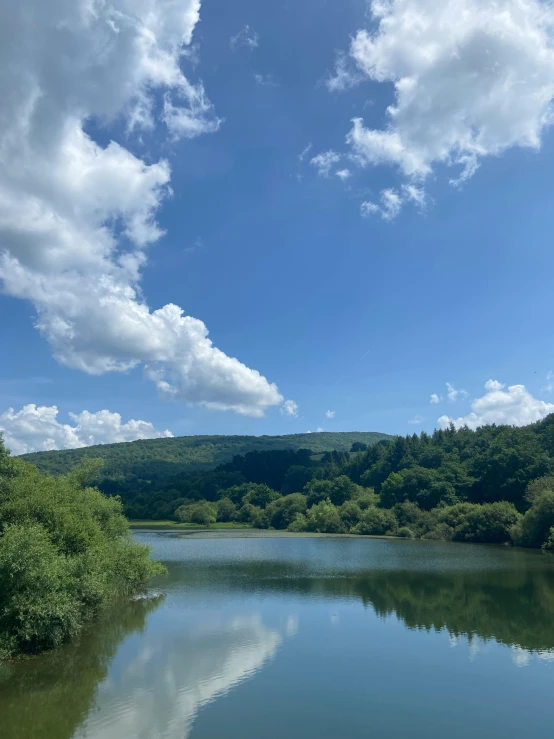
(548, 545)
(534, 528)
(282, 512)
(324, 518)
(350, 513)
(65, 551)
(405, 533)
(299, 524)
(226, 510)
(490, 523)
(202, 513)
(377, 521)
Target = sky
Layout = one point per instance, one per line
(270, 218)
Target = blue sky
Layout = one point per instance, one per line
(342, 308)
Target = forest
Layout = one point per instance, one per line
(492, 485)
(154, 476)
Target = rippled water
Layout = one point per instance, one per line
(306, 637)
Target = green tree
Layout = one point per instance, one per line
(226, 510)
(377, 521)
(534, 528)
(324, 518)
(281, 513)
(65, 551)
(539, 486)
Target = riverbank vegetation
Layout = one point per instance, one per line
(492, 485)
(65, 553)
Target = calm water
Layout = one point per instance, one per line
(306, 638)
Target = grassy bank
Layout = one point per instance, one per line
(173, 525)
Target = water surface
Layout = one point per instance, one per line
(306, 637)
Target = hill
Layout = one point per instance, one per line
(186, 454)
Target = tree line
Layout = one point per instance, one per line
(492, 485)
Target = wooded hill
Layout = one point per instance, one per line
(150, 474)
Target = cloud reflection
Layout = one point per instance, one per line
(176, 673)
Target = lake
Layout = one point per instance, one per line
(306, 637)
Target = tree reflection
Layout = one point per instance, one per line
(49, 697)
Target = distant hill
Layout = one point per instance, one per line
(190, 454)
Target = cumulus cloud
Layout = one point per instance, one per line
(246, 37)
(435, 399)
(343, 174)
(289, 408)
(453, 394)
(325, 161)
(319, 430)
(346, 75)
(36, 429)
(76, 217)
(330, 414)
(416, 420)
(265, 80)
(392, 201)
(514, 406)
(472, 78)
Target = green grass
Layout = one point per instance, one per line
(175, 525)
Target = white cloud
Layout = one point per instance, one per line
(330, 414)
(416, 420)
(319, 430)
(346, 75)
(76, 217)
(325, 161)
(472, 78)
(453, 394)
(265, 80)
(36, 428)
(549, 387)
(514, 406)
(392, 202)
(245, 37)
(435, 399)
(303, 154)
(343, 174)
(494, 385)
(289, 408)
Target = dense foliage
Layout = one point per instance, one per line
(153, 477)
(65, 551)
(492, 485)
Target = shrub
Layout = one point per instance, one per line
(534, 529)
(281, 513)
(376, 521)
(299, 524)
(548, 545)
(226, 510)
(350, 513)
(405, 533)
(324, 518)
(65, 551)
(202, 513)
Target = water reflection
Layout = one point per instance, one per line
(513, 606)
(177, 672)
(49, 697)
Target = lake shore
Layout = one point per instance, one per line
(238, 531)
